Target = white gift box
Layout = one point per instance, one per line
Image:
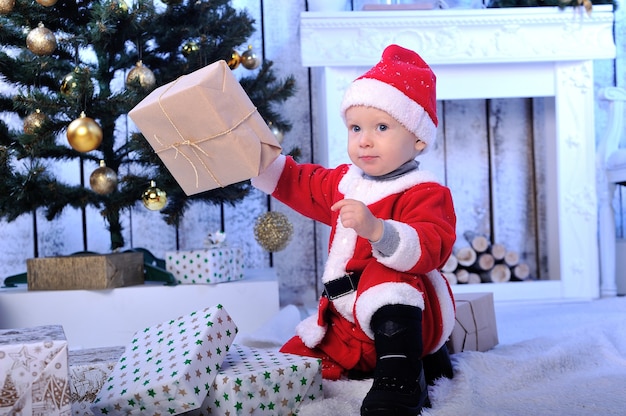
(208, 265)
(89, 370)
(168, 368)
(34, 371)
(262, 382)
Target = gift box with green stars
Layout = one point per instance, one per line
(208, 265)
(169, 368)
(262, 382)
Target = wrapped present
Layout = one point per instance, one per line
(206, 130)
(208, 265)
(85, 271)
(262, 382)
(34, 371)
(475, 327)
(168, 368)
(89, 370)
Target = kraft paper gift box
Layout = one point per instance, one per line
(206, 130)
(89, 370)
(168, 368)
(34, 371)
(475, 327)
(262, 382)
(208, 265)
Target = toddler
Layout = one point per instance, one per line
(386, 309)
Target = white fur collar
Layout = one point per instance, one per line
(354, 186)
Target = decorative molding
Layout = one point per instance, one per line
(492, 53)
(528, 34)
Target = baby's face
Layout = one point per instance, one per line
(377, 143)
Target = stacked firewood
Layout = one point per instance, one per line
(484, 262)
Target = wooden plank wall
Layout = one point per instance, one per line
(620, 81)
(488, 152)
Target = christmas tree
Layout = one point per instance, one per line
(62, 62)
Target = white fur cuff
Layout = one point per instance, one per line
(310, 332)
(408, 252)
(268, 179)
(383, 294)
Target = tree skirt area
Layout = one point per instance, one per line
(566, 358)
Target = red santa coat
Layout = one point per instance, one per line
(418, 208)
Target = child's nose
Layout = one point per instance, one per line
(365, 139)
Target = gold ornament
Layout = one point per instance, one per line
(118, 6)
(235, 60)
(34, 121)
(103, 180)
(71, 83)
(41, 40)
(249, 59)
(153, 198)
(47, 3)
(190, 47)
(84, 134)
(142, 74)
(278, 133)
(273, 231)
(6, 6)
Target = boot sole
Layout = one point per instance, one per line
(388, 411)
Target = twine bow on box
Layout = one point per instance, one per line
(215, 239)
(194, 145)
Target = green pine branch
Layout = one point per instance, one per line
(98, 42)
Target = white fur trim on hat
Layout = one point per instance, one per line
(371, 92)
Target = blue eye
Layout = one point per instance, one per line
(355, 129)
(382, 127)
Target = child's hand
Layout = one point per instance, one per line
(356, 215)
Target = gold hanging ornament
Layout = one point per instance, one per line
(235, 60)
(118, 6)
(6, 6)
(142, 74)
(84, 134)
(41, 40)
(34, 121)
(71, 83)
(103, 180)
(273, 231)
(249, 59)
(47, 3)
(153, 198)
(190, 47)
(278, 133)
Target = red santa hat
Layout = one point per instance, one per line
(403, 85)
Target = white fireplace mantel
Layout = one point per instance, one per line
(492, 53)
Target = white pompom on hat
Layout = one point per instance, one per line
(403, 85)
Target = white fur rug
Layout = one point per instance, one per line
(571, 361)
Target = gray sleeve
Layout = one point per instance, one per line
(388, 242)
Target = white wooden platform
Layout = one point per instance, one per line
(102, 318)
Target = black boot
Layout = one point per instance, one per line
(399, 386)
(437, 365)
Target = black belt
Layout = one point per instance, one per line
(342, 286)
